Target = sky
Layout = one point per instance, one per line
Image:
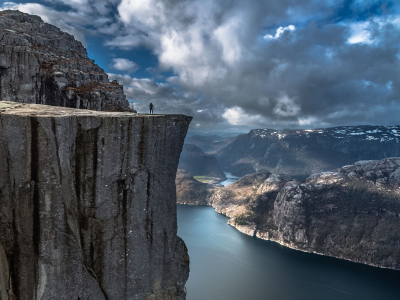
(235, 65)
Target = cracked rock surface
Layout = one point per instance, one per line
(88, 204)
(41, 64)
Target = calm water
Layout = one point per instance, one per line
(226, 264)
(230, 179)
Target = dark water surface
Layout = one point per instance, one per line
(226, 264)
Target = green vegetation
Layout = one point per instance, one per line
(204, 179)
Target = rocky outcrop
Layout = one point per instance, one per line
(88, 204)
(350, 213)
(41, 64)
(300, 153)
(249, 200)
(193, 160)
(190, 191)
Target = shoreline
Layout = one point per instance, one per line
(282, 243)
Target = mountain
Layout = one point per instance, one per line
(209, 143)
(190, 191)
(299, 153)
(351, 213)
(41, 64)
(194, 161)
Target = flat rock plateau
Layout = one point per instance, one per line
(88, 204)
(41, 64)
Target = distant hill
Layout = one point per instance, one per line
(299, 153)
(195, 162)
(209, 143)
(191, 191)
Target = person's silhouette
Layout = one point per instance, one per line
(151, 106)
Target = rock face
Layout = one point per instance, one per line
(300, 153)
(193, 160)
(350, 213)
(249, 201)
(41, 64)
(88, 204)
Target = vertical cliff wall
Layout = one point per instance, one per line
(41, 64)
(88, 204)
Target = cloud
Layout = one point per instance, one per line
(123, 64)
(279, 32)
(237, 116)
(256, 63)
(286, 107)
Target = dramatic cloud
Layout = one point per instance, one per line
(252, 63)
(124, 64)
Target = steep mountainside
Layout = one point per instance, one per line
(88, 204)
(351, 213)
(299, 153)
(41, 64)
(194, 161)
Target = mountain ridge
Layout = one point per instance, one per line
(301, 152)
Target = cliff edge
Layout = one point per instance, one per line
(88, 204)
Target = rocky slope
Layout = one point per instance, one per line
(350, 213)
(194, 161)
(41, 64)
(88, 204)
(190, 191)
(300, 153)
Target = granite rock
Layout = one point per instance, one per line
(88, 204)
(41, 64)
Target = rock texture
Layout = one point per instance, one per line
(300, 153)
(193, 160)
(88, 204)
(41, 64)
(351, 213)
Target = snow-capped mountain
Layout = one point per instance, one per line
(302, 152)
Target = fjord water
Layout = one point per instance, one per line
(229, 179)
(226, 264)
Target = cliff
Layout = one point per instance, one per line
(350, 213)
(88, 204)
(41, 64)
(193, 160)
(300, 153)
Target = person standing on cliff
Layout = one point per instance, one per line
(151, 106)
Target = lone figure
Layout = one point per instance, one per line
(151, 106)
